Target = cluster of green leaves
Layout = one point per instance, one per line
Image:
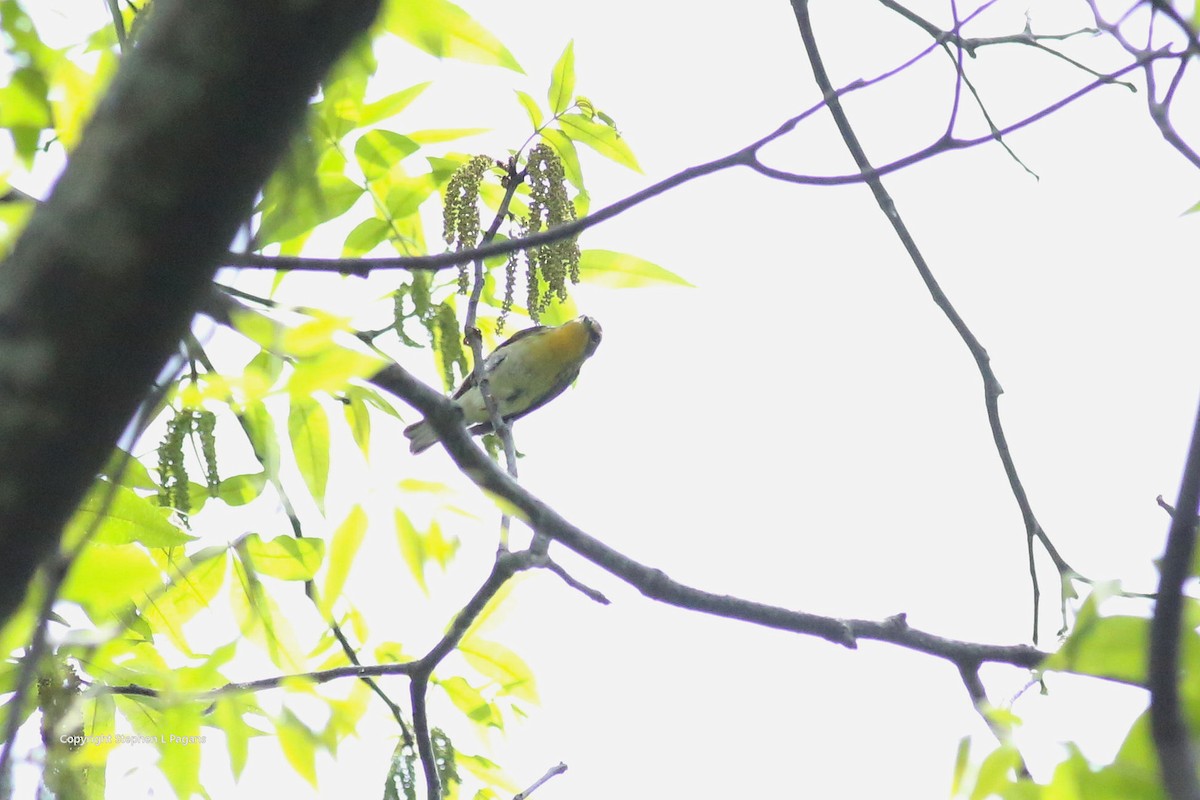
(146, 567)
(1108, 646)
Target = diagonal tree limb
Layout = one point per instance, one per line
(445, 418)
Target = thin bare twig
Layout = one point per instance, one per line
(557, 769)
(991, 385)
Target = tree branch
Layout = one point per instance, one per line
(991, 385)
(654, 583)
(1176, 756)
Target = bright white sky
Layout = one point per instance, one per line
(804, 427)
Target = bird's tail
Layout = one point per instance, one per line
(421, 436)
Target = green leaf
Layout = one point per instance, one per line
(412, 548)
(378, 152)
(437, 135)
(359, 420)
(602, 138)
(260, 375)
(308, 428)
(285, 557)
(1112, 647)
(237, 490)
(119, 516)
(468, 700)
(406, 195)
(298, 744)
(105, 579)
(442, 29)
(24, 103)
(562, 81)
(261, 621)
(366, 236)
(314, 336)
(391, 105)
(531, 108)
(501, 665)
(260, 429)
(372, 397)
(228, 713)
(419, 549)
(343, 547)
(300, 211)
(331, 370)
(996, 771)
(194, 585)
(962, 758)
(623, 271)
(487, 771)
(133, 473)
(179, 746)
(569, 155)
(100, 716)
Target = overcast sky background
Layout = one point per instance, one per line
(804, 427)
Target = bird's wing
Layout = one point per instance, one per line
(495, 357)
(560, 386)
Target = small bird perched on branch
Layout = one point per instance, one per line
(528, 370)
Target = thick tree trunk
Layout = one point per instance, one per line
(105, 278)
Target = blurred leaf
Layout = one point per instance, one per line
(343, 547)
(260, 375)
(379, 152)
(313, 336)
(562, 81)
(468, 700)
(996, 772)
(366, 236)
(237, 490)
(179, 746)
(260, 428)
(331, 370)
(261, 621)
(372, 397)
(438, 135)
(298, 744)
(105, 579)
(228, 714)
(299, 211)
(194, 585)
(23, 101)
(308, 428)
(406, 195)
(1106, 647)
(961, 761)
(442, 29)
(487, 771)
(501, 665)
(359, 420)
(391, 105)
(133, 473)
(412, 548)
(623, 271)
(285, 557)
